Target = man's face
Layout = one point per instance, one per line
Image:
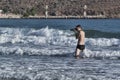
(78, 28)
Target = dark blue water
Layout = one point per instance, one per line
(109, 25)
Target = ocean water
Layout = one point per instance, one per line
(43, 49)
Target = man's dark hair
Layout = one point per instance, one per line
(79, 26)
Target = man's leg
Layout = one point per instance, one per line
(77, 52)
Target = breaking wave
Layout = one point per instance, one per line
(46, 41)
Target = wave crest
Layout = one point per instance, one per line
(45, 41)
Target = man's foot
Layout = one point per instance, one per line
(77, 55)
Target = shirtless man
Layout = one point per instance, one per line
(81, 40)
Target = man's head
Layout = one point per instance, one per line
(78, 27)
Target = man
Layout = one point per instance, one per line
(81, 40)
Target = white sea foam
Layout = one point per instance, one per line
(58, 69)
(47, 41)
(102, 41)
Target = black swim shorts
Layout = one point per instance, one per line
(81, 47)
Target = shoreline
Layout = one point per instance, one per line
(57, 17)
(60, 18)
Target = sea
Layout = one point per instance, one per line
(43, 49)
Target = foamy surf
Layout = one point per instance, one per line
(54, 68)
(46, 41)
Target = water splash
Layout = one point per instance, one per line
(46, 41)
